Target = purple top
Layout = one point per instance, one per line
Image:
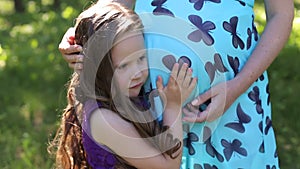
(98, 156)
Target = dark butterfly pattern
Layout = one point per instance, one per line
(205, 166)
(212, 68)
(250, 32)
(254, 30)
(262, 147)
(170, 60)
(198, 4)
(202, 33)
(188, 141)
(268, 125)
(231, 28)
(254, 96)
(249, 39)
(241, 2)
(210, 149)
(268, 93)
(269, 167)
(160, 10)
(261, 77)
(234, 64)
(275, 154)
(243, 118)
(231, 147)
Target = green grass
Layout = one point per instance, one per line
(33, 75)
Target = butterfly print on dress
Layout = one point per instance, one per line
(249, 39)
(170, 60)
(254, 96)
(268, 93)
(231, 28)
(268, 125)
(212, 69)
(254, 30)
(188, 141)
(205, 166)
(160, 10)
(202, 33)
(231, 147)
(261, 77)
(250, 32)
(241, 2)
(198, 4)
(269, 167)
(262, 145)
(234, 64)
(243, 118)
(210, 149)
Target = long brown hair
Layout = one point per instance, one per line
(97, 30)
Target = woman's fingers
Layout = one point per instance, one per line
(202, 98)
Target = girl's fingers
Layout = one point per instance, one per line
(182, 73)
(174, 71)
(192, 85)
(159, 83)
(188, 78)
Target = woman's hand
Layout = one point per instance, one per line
(221, 97)
(70, 51)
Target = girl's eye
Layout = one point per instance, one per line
(123, 66)
(142, 58)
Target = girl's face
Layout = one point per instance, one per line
(130, 64)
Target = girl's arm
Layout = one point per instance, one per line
(279, 16)
(121, 136)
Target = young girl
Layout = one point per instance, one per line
(108, 123)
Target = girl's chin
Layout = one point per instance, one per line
(134, 93)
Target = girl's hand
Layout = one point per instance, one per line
(222, 96)
(179, 87)
(70, 51)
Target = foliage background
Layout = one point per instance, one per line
(33, 76)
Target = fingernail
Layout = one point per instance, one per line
(79, 47)
(194, 102)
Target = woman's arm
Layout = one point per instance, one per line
(280, 16)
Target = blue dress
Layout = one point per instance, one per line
(216, 38)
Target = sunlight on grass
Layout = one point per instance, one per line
(295, 35)
(67, 13)
(26, 29)
(7, 7)
(3, 58)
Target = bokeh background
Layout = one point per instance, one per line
(33, 77)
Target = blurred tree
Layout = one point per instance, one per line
(56, 4)
(19, 6)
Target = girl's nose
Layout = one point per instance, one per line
(137, 74)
